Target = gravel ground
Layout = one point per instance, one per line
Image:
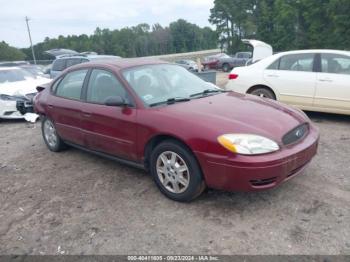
(77, 203)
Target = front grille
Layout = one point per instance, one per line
(295, 134)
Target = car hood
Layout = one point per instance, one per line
(237, 113)
(21, 88)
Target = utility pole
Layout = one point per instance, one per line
(30, 39)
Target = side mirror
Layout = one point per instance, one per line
(115, 101)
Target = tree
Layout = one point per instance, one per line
(139, 40)
(9, 53)
(285, 24)
(233, 20)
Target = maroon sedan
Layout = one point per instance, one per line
(188, 133)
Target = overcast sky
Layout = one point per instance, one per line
(64, 17)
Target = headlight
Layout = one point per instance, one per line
(247, 144)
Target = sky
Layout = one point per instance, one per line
(66, 17)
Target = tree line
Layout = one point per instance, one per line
(285, 24)
(141, 40)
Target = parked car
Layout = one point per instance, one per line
(188, 133)
(64, 61)
(17, 89)
(239, 59)
(188, 64)
(315, 80)
(225, 62)
(212, 62)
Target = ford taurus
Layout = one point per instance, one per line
(188, 133)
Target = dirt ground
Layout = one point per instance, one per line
(77, 203)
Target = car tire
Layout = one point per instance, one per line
(226, 67)
(263, 92)
(50, 136)
(176, 171)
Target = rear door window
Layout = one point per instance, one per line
(71, 85)
(73, 61)
(59, 65)
(297, 62)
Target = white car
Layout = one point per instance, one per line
(17, 88)
(314, 80)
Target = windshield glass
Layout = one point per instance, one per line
(14, 75)
(158, 83)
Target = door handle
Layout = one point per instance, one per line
(272, 75)
(325, 80)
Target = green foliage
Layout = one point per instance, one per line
(136, 41)
(285, 24)
(8, 53)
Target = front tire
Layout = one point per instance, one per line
(176, 171)
(51, 138)
(263, 92)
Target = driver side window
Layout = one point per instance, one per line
(103, 84)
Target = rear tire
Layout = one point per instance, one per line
(263, 92)
(226, 67)
(51, 138)
(176, 171)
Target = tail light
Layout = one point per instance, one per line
(232, 76)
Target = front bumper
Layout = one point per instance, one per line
(16, 109)
(25, 106)
(254, 173)
(8, 110)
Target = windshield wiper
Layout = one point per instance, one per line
(208, 91)
(171, 101)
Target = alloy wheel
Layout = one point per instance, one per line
(173, 172)
(50, 133)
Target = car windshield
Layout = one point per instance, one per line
(14, 75)
(156, 84)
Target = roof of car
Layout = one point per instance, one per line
(89, 57)
(123, 62)
(316, 51)
(9, 68)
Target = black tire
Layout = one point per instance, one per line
(263, 92)
(226, 67)
(196, 184)
(59, 145)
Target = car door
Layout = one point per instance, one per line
(333, 82)
(293, 77)
(64, 107)
(108, 129)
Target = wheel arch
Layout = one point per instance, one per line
(156, 140)
(254, 87)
